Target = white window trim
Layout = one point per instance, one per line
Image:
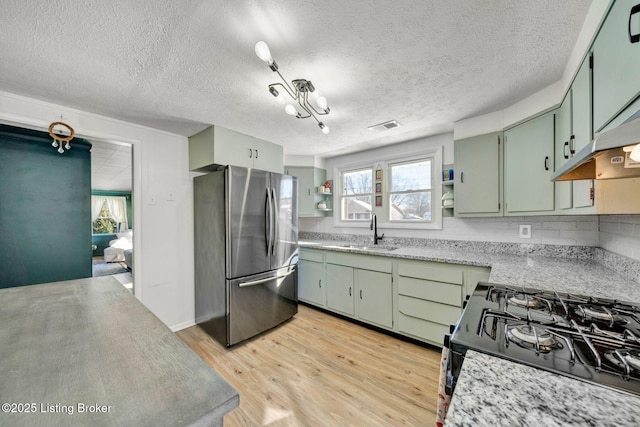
(382, 213)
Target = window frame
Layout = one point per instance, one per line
(389, 194)
(342, 196)
(383, 213)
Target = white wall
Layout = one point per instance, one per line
(163, 228)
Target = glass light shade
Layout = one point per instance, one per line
(54, 144)
(324, 128)
(322, 102)
(263, 52)
(67, 146)
(290, 110)
(61, 150)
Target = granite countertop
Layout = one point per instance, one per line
(87, 352)
(495, 392)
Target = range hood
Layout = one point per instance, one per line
(608, 157)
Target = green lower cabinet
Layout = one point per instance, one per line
(311, 287)
(340, 289)
(419, 299)
(375, 297)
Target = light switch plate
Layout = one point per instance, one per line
(525, 231)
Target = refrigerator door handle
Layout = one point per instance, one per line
(268, 279)
(267, 221)
(274, 242)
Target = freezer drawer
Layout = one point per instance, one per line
(260, 302)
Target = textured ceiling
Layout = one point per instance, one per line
(180, 65)
(111, 166)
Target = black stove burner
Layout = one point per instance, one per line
(592, 339)
(599, 314)
(523, 300)
(622, 358)
(534, 338)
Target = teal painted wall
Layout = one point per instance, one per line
(102, 240)
(45, 209)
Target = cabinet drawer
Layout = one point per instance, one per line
(428, 310)
(445, 293)
(363, 262)
(311, 256)
(429, 331)
(432, 273)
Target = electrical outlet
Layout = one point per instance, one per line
(525, 231)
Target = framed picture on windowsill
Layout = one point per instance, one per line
(378, 174)
(378, 187)
(378, 201)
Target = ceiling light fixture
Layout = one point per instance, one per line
(57, 131)
(299, 91)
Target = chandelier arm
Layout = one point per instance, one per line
(292, 95)
(292, 92)
(320, 113)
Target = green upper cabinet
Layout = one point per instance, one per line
(477, 180)
(309, 199)
(564, 189)
(573, 132)
(582, 134)
(216, 146)
(616, 62)
(528, 164)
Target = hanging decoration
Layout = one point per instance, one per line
(59, 135)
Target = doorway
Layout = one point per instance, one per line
(112, 210)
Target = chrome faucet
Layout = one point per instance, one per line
(374, 226)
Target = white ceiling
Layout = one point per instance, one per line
(111, 166)
(181, 65)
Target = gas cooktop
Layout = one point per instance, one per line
(591, 339)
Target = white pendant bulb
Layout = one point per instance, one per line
(290, 110)
(322, 102)
(324, 128)
(263, 52)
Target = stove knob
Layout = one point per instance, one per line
(452, 328)
(447, 340)
(466, 300)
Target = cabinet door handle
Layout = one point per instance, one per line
(360, 293)
(572, 145)
(250, 153)
(461, 177)
(320, 283)
(564, 149)
(349, 290)
(634, 38)
(546, 163)
(256, 150)
(308, 191)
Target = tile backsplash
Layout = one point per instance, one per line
(619, 234)
(553, 230)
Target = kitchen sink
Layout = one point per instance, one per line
(370, 248)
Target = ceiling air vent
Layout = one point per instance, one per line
(384, 126)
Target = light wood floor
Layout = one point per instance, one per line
(319, 370)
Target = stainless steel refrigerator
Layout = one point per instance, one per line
(246, 252)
